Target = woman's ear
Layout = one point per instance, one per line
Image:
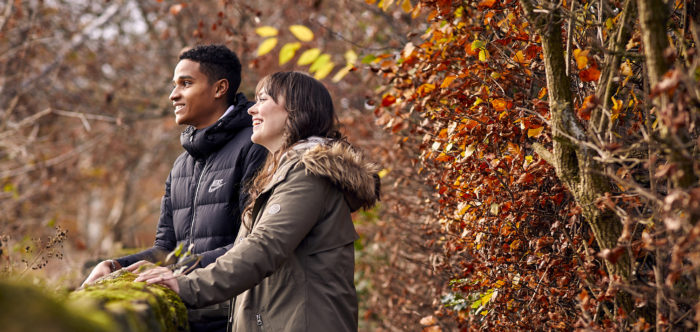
(221, 87)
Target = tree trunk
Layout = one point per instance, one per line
(653, 15)
(573, 162)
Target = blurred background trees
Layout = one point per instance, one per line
(540, 158)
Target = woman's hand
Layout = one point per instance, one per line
(102, 269)
(135, 268)
(160, 275)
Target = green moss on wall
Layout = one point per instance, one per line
(26, 307)
(136, 306)
(117, 304)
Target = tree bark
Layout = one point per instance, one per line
(653, 15)
(573, 162)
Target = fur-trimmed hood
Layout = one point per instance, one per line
(345, 166)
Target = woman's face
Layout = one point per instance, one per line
(269, 121)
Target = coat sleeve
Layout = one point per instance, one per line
(292, 210)
(165, 234)
(253, 160)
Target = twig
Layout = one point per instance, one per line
(76, 41)
(569, 35)
(53, 161)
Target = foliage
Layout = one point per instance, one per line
(470, 98)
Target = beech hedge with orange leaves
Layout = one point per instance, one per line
(471, 99)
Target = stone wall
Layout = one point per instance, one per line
(116, 304)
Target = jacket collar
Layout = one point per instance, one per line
(200, 144)
(338, 161)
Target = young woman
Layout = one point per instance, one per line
(291, 267)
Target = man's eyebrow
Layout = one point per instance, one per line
(184, 77)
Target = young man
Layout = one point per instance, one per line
(204, 193)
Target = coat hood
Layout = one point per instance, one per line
(345, 166)
(202, 143)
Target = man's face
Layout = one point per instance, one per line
(197, 103)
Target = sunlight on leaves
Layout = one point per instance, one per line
(266, 31)
(320, 62)
(309, 56)
(288, 51)
(324, 70)
(302, 32)
(266, 46)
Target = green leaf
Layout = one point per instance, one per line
(266, 46)
(302, 32)
(320, 62)
(308, 56)
(367, 59)
(288, 51)
(266, 31)
(477, 44)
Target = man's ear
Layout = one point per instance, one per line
(221, 87)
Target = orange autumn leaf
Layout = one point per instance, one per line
(388, 100)
(487, 3)
(589, 103)
(589, 75)
(581, 58)
(542, 93)
(426, 88)
(448, 80)
(535, 132)
(499, 104)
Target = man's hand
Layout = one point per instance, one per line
(102, 269)
(160, 275)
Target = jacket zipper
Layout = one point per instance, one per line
(194, 202)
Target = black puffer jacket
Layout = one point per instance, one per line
(203, 197)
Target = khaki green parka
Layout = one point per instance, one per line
(291, 268)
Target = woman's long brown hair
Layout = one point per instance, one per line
(310, 112)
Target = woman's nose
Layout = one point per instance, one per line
(253, 109)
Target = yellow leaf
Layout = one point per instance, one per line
(478, 101)
(342, 72)
(383, 173)
(302, 32)
(385, 4)
(406, 6)
(448, 80)
(350, 57)
(322, 72)
(534, 132)
(308, 56)
(483, 55)
(320, 62)
(519, 57)
(267, 45)
(266, 31)
(287, 52)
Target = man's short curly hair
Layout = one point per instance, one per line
(217, 62)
